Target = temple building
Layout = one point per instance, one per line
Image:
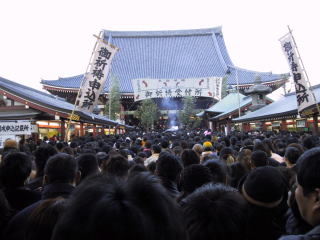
(25, 111)
(182, 54)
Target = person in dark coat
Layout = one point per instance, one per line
(15, 169)
(60, 175)
(308, 193)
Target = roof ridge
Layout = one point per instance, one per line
(253, 71)
(162, 33)
(26, 87)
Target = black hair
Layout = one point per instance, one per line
(218, 170)
(259, 158)
(15, 168)
(138, 208)
(189, 157)
(215, 211)
(102, 157)
(164, 143)
(292, 154)
(194, 176)
(41, 222)
(88, 164)
(61, 167)
(156, 148)
(42, 154)
(116, 165)
(308, 170)
(168, 166)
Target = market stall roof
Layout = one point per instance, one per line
(284, 107)
(179, 54)
(41, 101)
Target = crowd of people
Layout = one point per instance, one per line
(188, 185)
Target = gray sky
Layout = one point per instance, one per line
(43, 39)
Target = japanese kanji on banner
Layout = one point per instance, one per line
(304, 95)
(167, 88)
(15, 128)
(94, 80)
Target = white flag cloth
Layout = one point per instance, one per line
(94, 80)
(304, 95)
(167, 88)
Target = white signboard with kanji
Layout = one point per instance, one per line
(166, 88)
(15, 128)
(93, 81)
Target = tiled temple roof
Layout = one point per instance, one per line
(167, 55)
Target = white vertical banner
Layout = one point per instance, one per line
(304, 95)
(94, 80)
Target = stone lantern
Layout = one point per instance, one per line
(258, 94)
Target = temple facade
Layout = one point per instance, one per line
(182, 54)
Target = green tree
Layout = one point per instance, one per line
(147, 113)
(187, 116)
(113, 106)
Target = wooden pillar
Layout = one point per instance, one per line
(283, 125)
(81, 129)
(228, 126)
(315, 128)
(62, 129)
(94, 130)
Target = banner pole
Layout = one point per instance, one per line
(304, 69)
(84, 76)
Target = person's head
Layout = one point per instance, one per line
(194, 176)
(215, 211)
(43, 219)
(10, 144)
(61, 168)
(116, 165)
(136, 169)
(42, 154)
(102, 158)
(291, 155)
(105, 207)
(156, 149)
(198, 148)
(165, 144)
(207, 146)
(148, 144)
(177, 150)
(88, 165)
(244, 157)
(309, 142)
(264, 187)
(168, 166)
(59, 146)
(226, 155)
(259, 158)
(218, 171)
(259, 145)
(308, 189)
(15, 169)
(189, 157)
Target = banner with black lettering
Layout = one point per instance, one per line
(304, 95)
(167, 88)
(94, 80)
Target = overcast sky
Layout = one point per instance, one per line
(42, 39)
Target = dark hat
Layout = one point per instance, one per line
(264, 186)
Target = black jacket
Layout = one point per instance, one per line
(17, 225)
